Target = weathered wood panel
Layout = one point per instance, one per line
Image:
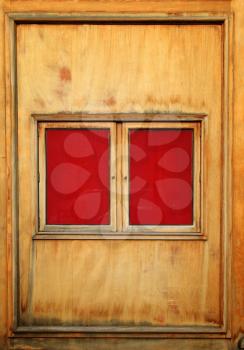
(118, 283)
(152, 6)
(70, 6)
(120, 68)
(112, 344)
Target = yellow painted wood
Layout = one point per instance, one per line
(33, 254)
(237, 285)
(112, 344)
(3, 192)
(113, 69)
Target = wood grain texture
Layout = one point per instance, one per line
(3, 192)
(172, 7)
(112, 344)
(119, 6)
(128, 287)
(98, 87)
(238, 170)
(114, 69)
(120, 117)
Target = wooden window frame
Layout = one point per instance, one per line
(119, 182)
(195, 228)
(43, 227)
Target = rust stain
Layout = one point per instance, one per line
(38, 309)
(210, 319)
(118, 309)
(159, 319)
(39, 102)
(111, 101)
(175, 249)
(174, 99)
(65, 74)
(145, 310)
(102, 313)
(23, 306)
(41, 34)
(174, 252)
(150, 99)
(60, 93)
(153, 100)
(174, 308)
(47, 308)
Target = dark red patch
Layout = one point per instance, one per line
(77, 165)
(174, 308)
(161, 184)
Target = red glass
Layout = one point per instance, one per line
(77, 176)
(161, 176)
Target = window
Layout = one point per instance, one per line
(126, 177)
(77, 176)
(162, 167)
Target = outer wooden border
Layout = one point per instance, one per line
(11, 20)
(237, 257)
(4, 272)
(118, 344)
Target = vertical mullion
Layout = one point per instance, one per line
(119, 175)
(113, 177)
(125, 175)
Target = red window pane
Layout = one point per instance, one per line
(161, 176)
(77, 176)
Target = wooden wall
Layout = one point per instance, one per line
(237, 6)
